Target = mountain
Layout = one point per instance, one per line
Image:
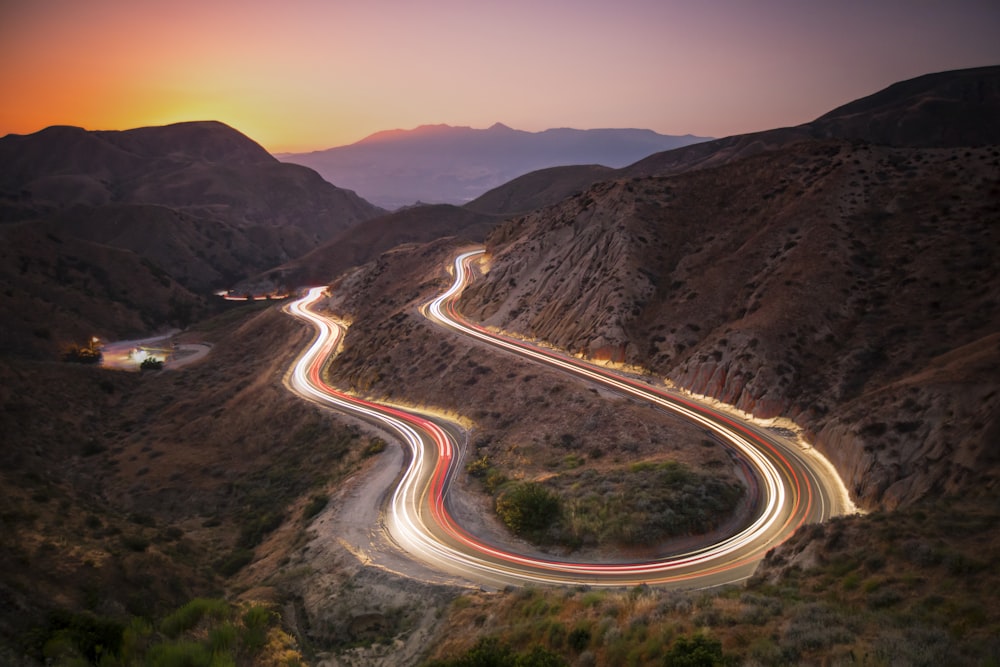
(956, 108)
(847, 285)
(204, 169)
(445, 164)
(944, 109)
(198, 204)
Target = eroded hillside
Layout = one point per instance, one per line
(528, 423)
(851, 287)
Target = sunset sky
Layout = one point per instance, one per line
(310, 74)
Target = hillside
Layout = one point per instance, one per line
(444, 164)
(199, 204)
(364, 243)
(852, 288)
(538, 189)
(205, 169)
(59, 291)
(956, 108)
(944, 109)
(849, 284)
(128, 494)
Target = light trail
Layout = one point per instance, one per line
(790, 491)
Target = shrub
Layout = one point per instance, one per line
(72, 634)
(478, 467)
(316, 505)
(135, 542)
(257, 528)
(579, 638)
(179, 654)
(191, 614)
(375, 446)
(489, 652)
(528, 508)
(151, 364)
(695, 651)
(256, 621)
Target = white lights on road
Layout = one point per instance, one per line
(791, 488)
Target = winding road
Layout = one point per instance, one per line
(794, 484)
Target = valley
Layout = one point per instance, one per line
(579, 405)
(418, 516)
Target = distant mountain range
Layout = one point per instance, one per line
(842, 273)
(445, 164)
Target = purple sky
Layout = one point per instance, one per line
(308, 74)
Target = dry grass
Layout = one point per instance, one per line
(911, 587)
(132, 493)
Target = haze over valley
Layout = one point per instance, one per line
(440, 164)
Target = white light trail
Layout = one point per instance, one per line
(418, 519)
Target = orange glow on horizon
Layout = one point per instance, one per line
(315, 74)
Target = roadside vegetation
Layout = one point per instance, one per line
(205, 632)
(904, 587)
(640, 504)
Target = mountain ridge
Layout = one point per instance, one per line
(941, 109)
(199, 205)
(454, 164)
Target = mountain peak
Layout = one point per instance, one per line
(206, 140)
(500, 127)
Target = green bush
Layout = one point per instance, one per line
(223, 638)
(179, 654)
(528, 508)
(579, 638)
(71, 635)
(256, 621)
(258, 527)
(375, 446)
(191, 614)
(695, 651)
(203, 633)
